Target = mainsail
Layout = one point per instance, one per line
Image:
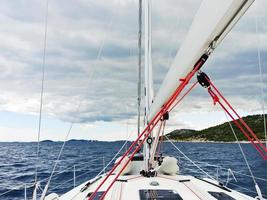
(213, 21)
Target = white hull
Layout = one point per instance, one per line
(134, 186)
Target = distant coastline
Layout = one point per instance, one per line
(68, 141)
(220, 133)
(116, 141)
(217, 134)
(201, 141)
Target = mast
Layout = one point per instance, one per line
(139, 66)
(149, 93)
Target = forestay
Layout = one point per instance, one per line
(213, 21)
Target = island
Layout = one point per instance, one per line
(221, 132)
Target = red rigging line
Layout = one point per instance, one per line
(125, 165)
(167, 107)
(186, 93)
(146, 132)
(160, 130)
(242, 121)
(239, 122)
(161, 138)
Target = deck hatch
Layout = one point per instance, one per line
(159, 194)
(97, 196)
(221, 196)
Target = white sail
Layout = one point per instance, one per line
(214, 19)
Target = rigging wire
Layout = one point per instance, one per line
(189, 158)
(67, 169)
(57, 161)
(42, 91)
(241, 149)
(261, 79)
(244, 188)
(113, 158)
(109, 163)
(77, 110)
(235, 172)
(148, 129)
(22, 187)
(251, 136)
(257, 188)
(80, 175)
(161, 139)
(194, 163)
(43, 180)
(183, 96)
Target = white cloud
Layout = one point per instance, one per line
(76, 30)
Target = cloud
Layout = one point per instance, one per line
(76, 31)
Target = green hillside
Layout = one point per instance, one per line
(220, 132)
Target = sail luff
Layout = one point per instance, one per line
(213, 21)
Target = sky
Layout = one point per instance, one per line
(91, 67)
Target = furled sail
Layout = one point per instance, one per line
(213, 21)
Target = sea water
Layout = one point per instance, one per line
(82, 160)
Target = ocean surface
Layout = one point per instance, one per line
(18, 163)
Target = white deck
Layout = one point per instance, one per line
(127, 187)
(194, 189)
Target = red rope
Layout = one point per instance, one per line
(241, 129)
(157, 136)
(161, 139)
(146, 132)
(258, 146)
(186, 93)
(118, 163)
(242, 121)
(125, 165)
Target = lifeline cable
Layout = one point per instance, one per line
(109, 163)
(188, 158)
(241, 149)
